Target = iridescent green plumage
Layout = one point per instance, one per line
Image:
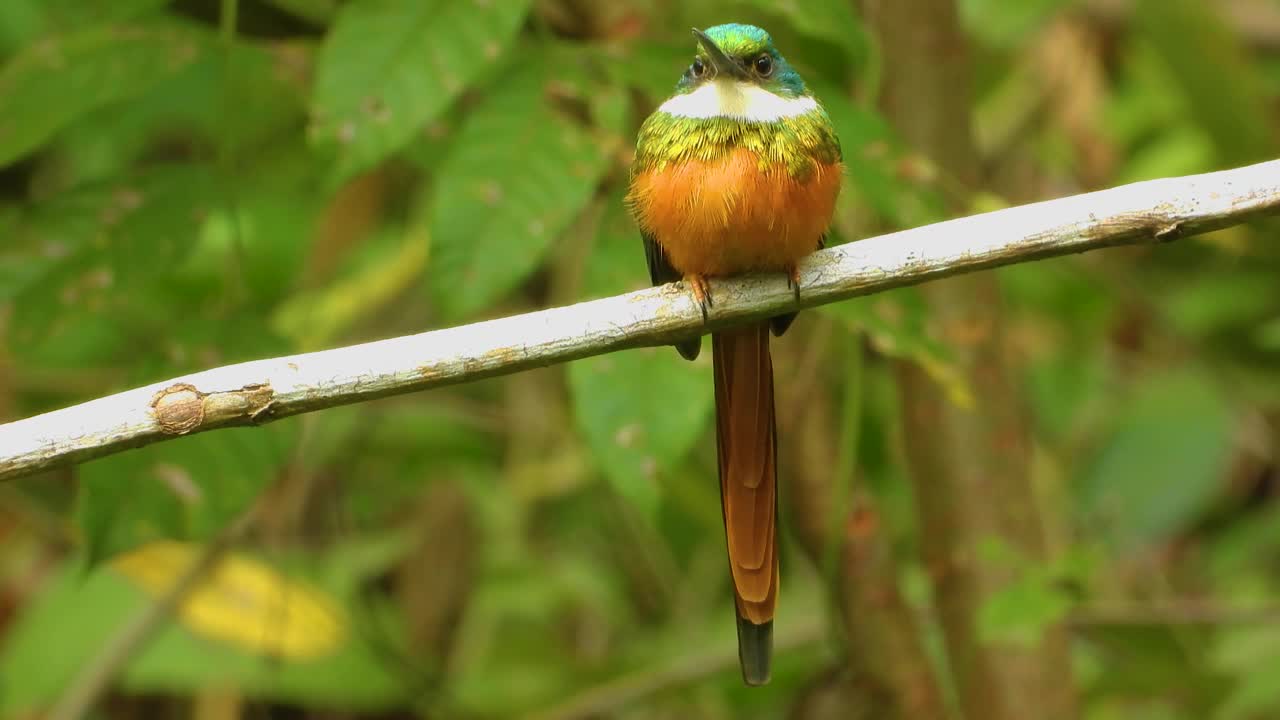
(797, 141)
(797, 144)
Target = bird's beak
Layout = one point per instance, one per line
(723, 64)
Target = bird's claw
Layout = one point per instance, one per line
(793, 281)
(701, 292)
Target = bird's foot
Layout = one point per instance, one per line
(793, 280)
(701, 292)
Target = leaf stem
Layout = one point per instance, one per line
(132, 637)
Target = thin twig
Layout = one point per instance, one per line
(264, 390)
(96, 677)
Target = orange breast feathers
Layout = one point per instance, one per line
(729, 216)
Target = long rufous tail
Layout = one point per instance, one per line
(747, 440)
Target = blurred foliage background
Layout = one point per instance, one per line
(191, 183)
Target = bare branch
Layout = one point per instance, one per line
(263, 390)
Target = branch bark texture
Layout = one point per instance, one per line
(264, 390)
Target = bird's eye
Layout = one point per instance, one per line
(764, 65)
(699, 68)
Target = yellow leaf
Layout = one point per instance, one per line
(242, 602)
(312, 319)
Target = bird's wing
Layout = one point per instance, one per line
(661, 273)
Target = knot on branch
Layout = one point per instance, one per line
(178, 409)
(182, 408)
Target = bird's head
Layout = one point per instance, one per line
(741, 55)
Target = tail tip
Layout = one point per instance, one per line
(690, 348)
(755, 651)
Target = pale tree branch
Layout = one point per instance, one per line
(263, 390)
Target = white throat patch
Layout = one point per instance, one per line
(739, 100)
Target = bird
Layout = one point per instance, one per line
(738, 172)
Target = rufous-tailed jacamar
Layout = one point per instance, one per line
(738, 172)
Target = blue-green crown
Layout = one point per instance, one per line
(739, 40)
(745, 43)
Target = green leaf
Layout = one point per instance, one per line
(193, 107)
(52, 83)
(68, 621)
(640, 411)
(1178, 150)
(1164, 460)
(87, 293)
(265, 226)
(20, 20)
(185, 489)
(1210, 303)
(519, 175)
(388, 67)
(1214, 71)
(1036, 597)
(1020, 612)
(82, 250)
(23, 20)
